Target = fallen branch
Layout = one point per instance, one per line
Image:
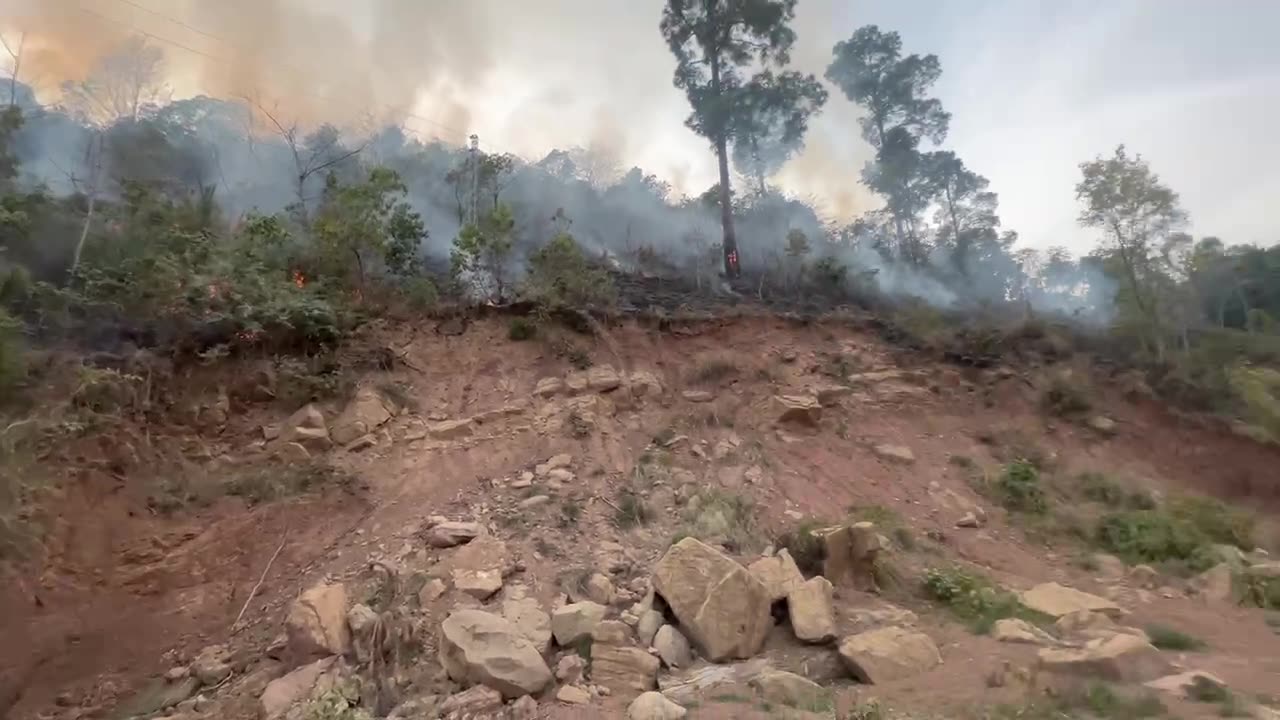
(261, 579)
(606, 501)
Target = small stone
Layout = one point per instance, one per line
(888, 654)
(573, 695)
(1057, 600)
(524, 708)
(549, 386)
(784, 688)
(968, 520)
(362, 443)
(535, 501)
(1144, 576)
(450, 534)
(654, 706)
(698, 396)
(570, 669)
(1013, 630)
(600, 589)
(1103, 425)
(648, 625)
(572, 623)
(431, 591)
(895, 453)
(1109, 567)
(798, 409)
(561, 475)
(451, 429)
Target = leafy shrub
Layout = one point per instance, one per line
(974, 599)
(1258, 390)
(273, 482)
(482, 254)
(1259, 590)
(631, 511)
(804, 545)
(521, 329)
(1066, 396)
(1167, 638)
(1217, 520)
(1102, 489)
(724, 517)
(561, 277)
(1153, 536)
(13, 367)
(1019, 489)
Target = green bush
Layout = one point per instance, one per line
(521, 329)
(974, 598)
(561, 277)
(13, 365)
(1217, 520)
(1065, 396)
(1100, 488)
(1019, 489)
(804, 545)
(1167, 638)
(1153, 536)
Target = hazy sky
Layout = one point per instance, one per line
(1035, 86)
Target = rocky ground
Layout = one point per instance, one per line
(747, 518)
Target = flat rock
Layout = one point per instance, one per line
(451, 534)
(698, 396)
(575, 622)
(570, 669)
(700, 682)
(1013, 630)
(366, 412)
(888, 654)
(316, 625)
(830, 395)
(477, 647)
(723, 607)
(654, 706)
(644, 384)
(600, 589)
(160, 695)
(1182, 682)
(778, 574)
(785, 688)
(284, 692)
(307, 428)
(603, 378)
(895, 453)
(549, 386)
(812, 612)
(451, 429)
(798, 409)
(471, 702)
(1118, 658)
(572, 695)
(479, 584)
(626, 671)
(1057, 600)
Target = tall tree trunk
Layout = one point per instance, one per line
(758, 165)
(95, 170)
(731, 265)
(962, 246)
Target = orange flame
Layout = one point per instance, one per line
(299, 279)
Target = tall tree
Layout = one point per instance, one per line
(968, 211)
(714, 42)
(126, 83)
(1127, 201)
(772, 120)
(871, 71)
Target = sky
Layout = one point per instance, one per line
(1035, 87)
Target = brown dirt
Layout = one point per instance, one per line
(127, 594)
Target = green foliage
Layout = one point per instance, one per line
(1154, 536)
(362, 222)
(804, 545)
(482, 254)
(1219, 522)
(1259, 590)
(1167, 638)
(1101, 488)
(728, 518)
(1259, 391)
(974, 599)
(1019, 489)
(520, 329)
(631, 511)
(274, 482)
(561, 277)
(21, 483)
(335, 705)
(13, 364)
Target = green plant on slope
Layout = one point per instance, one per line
(1019, 488)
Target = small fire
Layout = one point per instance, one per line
(299, 279)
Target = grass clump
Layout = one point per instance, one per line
(974, 599)
(1066, 397)
(275, 482)
(1092, 701)
(725, 518)
(804, 544)
(1167, 638)
(1179, 535)
(1101, 488)
(1260, 591)
(631, 511)
(1205, 690)
(1018, 489)
(713, 371)
(521, 329)
(1219, 522)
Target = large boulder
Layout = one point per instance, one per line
(616, 664)
(530, 620)
(812, 612)
(316, 625)
(299, 685)
(1214, 584)
(778, 574)
(1057, 600)
(888, 654)
(477, 647)
(654, 706)
(723, 607)
(366, 412)
(849, 554)
(1118, 658)
(575, 622)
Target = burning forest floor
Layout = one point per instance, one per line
(525, 529)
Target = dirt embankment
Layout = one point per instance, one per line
(128, 592)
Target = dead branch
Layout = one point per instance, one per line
(261, 579)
